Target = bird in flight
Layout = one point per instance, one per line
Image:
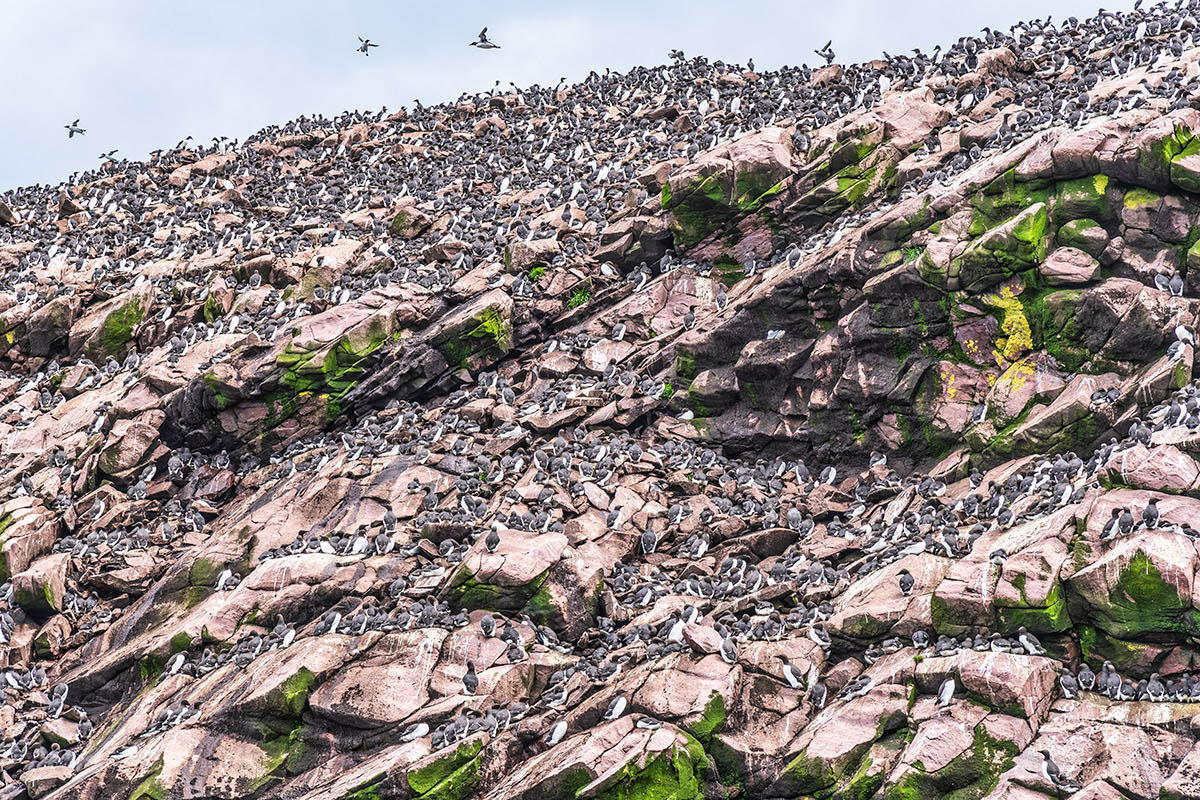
(108, 156)
(73, 129)
(484, 43)
(826, 53)
(364, 44)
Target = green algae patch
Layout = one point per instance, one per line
(541, 609)
(675, 774)
(452, 776)
(281, 752)
(291, 697)
(117, 328)
(971, 775)
(472, 594)
(1143, 602)
(330, 378)
(151, 788)
(1052, 617)
(713, 719)
(1082, 198)
(805, 775)
(364, 793)
(1138, 197)
(1002, 199)
(752, 189)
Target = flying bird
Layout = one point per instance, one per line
(364, 44)
(826, 52)
(484, 43)
(73, 129)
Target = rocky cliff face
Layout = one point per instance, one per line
(688, 433)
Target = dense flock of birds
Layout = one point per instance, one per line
(564, 176)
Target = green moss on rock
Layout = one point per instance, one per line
(151, 788)
(290, 698)
(117, 328)
(449, 777)
(1143, 602)
(675, 774)
(713, 719)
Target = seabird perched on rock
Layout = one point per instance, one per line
(945, 693)
(729, 652)
(1030, 642)
(1069, 685)
(1086, 678)
(470, 680)
(817, 695)
(483, 42)
(557, 732)
(1150, 514)
(791, 673)
(649, 541)
(1054, 776)
(907, 581)
(616, 707)
(414, 732)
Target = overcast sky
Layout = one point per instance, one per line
(143, 74)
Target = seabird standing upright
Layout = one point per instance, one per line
(470, 679)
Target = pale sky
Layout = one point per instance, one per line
(143, 74)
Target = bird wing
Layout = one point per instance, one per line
(483, 33)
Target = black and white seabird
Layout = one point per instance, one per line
(946, 692)
(483, 42)
(470, 679)
(616, 707)
(791, 673)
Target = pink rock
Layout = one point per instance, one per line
(1162, 468)
(1017, 684)
(1067, 266)
(39, 590)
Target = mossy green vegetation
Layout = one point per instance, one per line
(290, 698)
(969, 776)
(712, 720)
(453, 776)
(1143, 602)
(117, 328)
(330, 378)
(673, 774)
(279, 753)
(579, 297)
(1049, 616)
(151, 787)
(473, 594)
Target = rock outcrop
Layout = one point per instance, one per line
(695, 432)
